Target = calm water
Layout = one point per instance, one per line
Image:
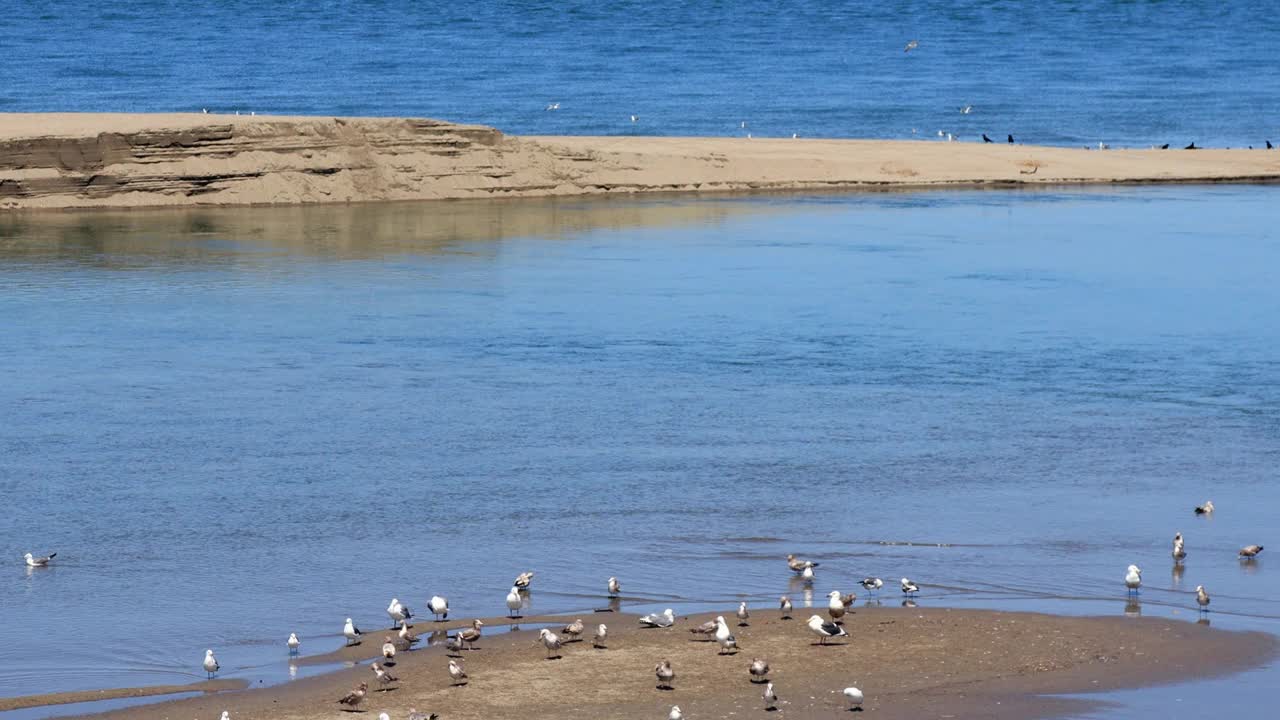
(1064, 72)
(235, 424)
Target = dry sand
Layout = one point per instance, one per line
(119, 160)
(910, 662)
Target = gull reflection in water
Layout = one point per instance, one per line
(909, 603)
(1178, 569)
(1132, 607)
(1203, 621)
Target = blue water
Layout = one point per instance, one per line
(219, 417)
(1062, 72)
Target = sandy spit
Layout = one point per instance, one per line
(910, 663)
(83, 160)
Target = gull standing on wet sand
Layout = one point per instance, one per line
(1133, 579)
(39, 561)
(824, 629)
(398, 612)
(384, 678)
(770, 697)
(909, 588)
(1250, 552)
(835, 606)
(665, 676)
(439, 606)
(551, 642)
(664, 620)
(407, 636)
(513, 601)
(743, 615)
(573, 631)
(706, 629)
(602, 632)
(457, 675)
(854, 696)
(294, 643)
(355, 698)
(759, 670)
(388, 650)
(726, 639)
(210, 663)
(1202, 598)
(469, 636)
(351, 632)
(615, 588)
(784, 605)
(675, 713)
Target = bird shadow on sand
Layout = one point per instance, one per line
(822, 644)
(665, 688)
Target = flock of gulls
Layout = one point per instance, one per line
(402, 637)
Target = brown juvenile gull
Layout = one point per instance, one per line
(770, 697)
(551, 642)
(39, 561)
(469, 636)
(457, 675)
(798, 565)
(824, 629)
(384, 678)
(784, 604)
(573, 631)
(1249, 552)
(664, 674)
(665, 619)
(706, 629)
(523, 580)
(1202, 598)
(407, 636)
(602, 632)
(743, 614)
(615, 588)
(355, 698)
(759, 670)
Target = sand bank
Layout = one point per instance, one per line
(910, 662)
(72, 160)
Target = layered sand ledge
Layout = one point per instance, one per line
(911, 663)
(75, 160)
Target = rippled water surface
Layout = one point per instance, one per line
(236, 424)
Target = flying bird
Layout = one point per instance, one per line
(39, 561)
(824, 629)
(966, 109)
(439, 606)
(553, 106)
(210, 663)
(664, 620)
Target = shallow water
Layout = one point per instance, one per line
(235, 424)
(1069, 72)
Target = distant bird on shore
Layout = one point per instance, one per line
(908, 587)
(457, 673)
(210, 663)
(726, 639)
(770, 697)
(1202, 598)
(514, 601)
(469, 636)
(871, 584)
(355, 698)
(1192, 146)
(743, 615)
(439, 606)
(665, 674)
(675, 713)
(986, 139)
(1133, 579)
(911, 46)
(415, 715)
(634, 118)
(706, 629)
(966, 109)
(385, 679)
(294, 643)
(1164, 146)
(1269, 145)
(573, 631)
(398, 612)
(1103, 146)
(602, 632)
(39, 561)
(388, 651)
(854, 696)
(351, 633)
(784, 605)
(524, 580)
(1250, 552)
(759, 670)
(615, 588)
(407, 636)
(824, 629)
(835, 606)
(1205, 509)
(453, 645)
(798, 565)
(665, 619)
(1010, 139)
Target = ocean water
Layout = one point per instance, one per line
(1065, 72)
(235, 424)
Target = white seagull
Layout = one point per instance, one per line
(457, 675)
(553, 106)
(227, 716)
(210, 663)
(513, 602)
(664, 620)
(614, 587)
(909, 587)
(602, 632)
(675, 713)
(398, 612)
(835, 605)
(1205, 509)
(351, 632)
(439, 607)
(807, 573)
(726, 639)
(911, 46)
(1202, 598)
(784, 605)
(854, 696)
(551, 642)
(1133, 579)
(665, 674)
(293, 642)
(524, 580)
(1179, 551)
(770, 697)
(824, 629)
(39, 561)
(743, 614)
(872, 584)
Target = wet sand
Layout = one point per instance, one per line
(83, 160)
(910, 663)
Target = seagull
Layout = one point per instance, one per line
(355, 698)
(770, 697)
(1249, 552)
(634, 118)
(293, 642)
(966, 109)
(398, 612)
(808, 573)
(744, 123)
(439, 606)
(551, 642)
(986, 139)
(453, 645)
(1164, 146)
(951, 138)
(726, 639)
(470, 635)
(759, 670)
(513, 602)
(602, 632)
(1133, 579)
(415, 715)
(1202, 598)
(909, 587)
(706, 629)
(554, 106)
(388, 650)
(664, 620)
(573, 630)
(1102, 145)
(1205, 509)
(210, 663)
(614, 587)
(675, 713)
(407, 636)
(784, 604)
(523, 580)
(872, 584)
(457, 674)
(1192, 146)
(798, 565)
(1179, 554)
(39, 561)
(1269, 147)
(383, 716)
(824, 629)
(205, 111)
(384, 678)
(351, 633)
(665, 675)
(911, 46)
(743, 614)
(1010, 139)
(835, 606)
(854, 696)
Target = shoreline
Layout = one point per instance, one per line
(910, 662)
(78, 161)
